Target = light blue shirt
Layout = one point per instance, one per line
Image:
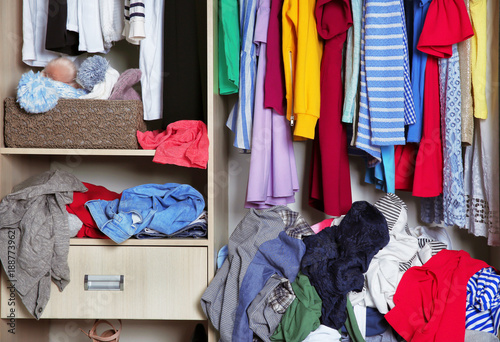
(383, 174)
(419, 60)
(240, 118)
(352, 57)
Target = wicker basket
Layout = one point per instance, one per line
(94, 124)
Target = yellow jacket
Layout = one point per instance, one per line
(302, 52)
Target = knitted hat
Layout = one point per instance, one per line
(38, 94)
(102, 90)
(123, 88)
(92, 71)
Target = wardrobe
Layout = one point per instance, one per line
(163, 279)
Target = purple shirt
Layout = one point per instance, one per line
(273, 175)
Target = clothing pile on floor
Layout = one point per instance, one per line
(41, 214)
(366, 276)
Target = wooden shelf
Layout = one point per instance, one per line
(76, 152)
(140, 242)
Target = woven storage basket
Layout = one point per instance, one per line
(95, 124)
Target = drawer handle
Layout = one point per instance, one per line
(103, 282)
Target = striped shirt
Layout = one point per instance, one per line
(384, 96)
(240, 118)
(363, 138)
(134, 19)
(483, 301)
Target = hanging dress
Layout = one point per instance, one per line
(482, 158)
(330, 189)
(272, 178)
(444, 17)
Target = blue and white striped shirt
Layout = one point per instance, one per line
(363, 138)
(483, 301)
(240, 119)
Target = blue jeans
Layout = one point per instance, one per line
(165, 208)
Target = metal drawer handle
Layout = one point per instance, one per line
(103, 282)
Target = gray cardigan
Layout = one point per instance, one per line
(34, 236)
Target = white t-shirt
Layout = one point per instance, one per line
(72, 15)
(89, 27)
(34, 31)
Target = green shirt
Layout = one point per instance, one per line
(229, 47)
(302, 316)
(352, 325)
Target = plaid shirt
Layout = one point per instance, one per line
(296, 225)
(282, 296)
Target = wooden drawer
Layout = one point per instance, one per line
(159, 283)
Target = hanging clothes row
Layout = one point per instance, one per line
(377, 69)
(72, 27)
(170, 37)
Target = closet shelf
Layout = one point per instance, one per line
(140, 242)
(75, 152)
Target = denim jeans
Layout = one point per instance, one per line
(165, 208)
(196, 229)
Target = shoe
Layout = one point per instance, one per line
(111, 335)
(199, 335)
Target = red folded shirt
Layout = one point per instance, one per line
(77, 207)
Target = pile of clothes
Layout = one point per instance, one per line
(366, 276)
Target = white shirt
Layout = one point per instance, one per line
(34, 31)
(89, 27)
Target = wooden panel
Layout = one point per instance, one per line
(16, 169)
(218, 175)
(160, 283)
(11, 40)
(76, 152)
(140, 242)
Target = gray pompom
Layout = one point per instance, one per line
(92, 71)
